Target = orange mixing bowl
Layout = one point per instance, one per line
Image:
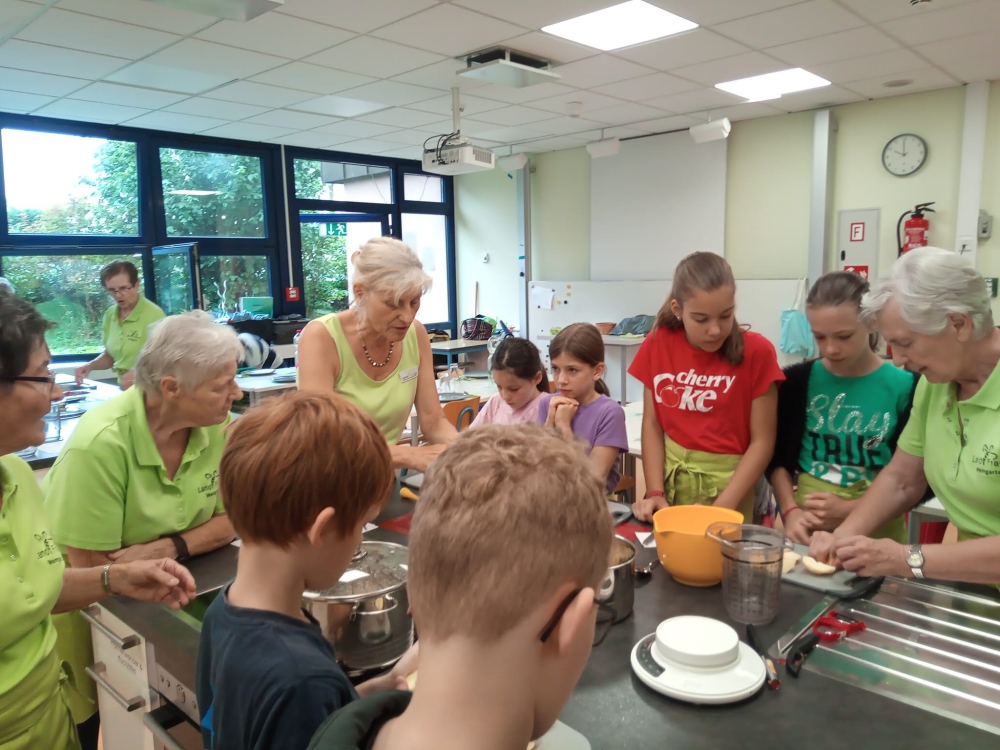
(684, 550)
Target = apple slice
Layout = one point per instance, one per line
(789, 561)
(817, 568)
(411, 681)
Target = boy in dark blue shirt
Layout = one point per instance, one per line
(300, 477)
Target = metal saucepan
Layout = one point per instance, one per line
(366, 615)
(617, 590)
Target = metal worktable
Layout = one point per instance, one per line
(617, 712)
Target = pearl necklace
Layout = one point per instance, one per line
(368, 356)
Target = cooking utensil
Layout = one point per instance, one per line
(366, 615)
(617, 590)
(799, 651)
(751, 570)
(407, 494)
(753, 638)
(687, 554)
(835, 626)
(620, 512)
(646, 570)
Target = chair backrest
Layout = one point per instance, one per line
(552, 385)
(461, 413)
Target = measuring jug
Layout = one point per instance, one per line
(751, 570)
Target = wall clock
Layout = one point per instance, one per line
(904, 154)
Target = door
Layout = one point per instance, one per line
(857, 241)
(177, 277)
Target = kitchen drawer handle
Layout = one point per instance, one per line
(96, 673)
(122, 643)
(158, 721)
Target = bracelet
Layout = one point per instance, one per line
(654, 493)
(106, 580)
(790, 510)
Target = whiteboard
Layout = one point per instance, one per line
(759, 303)
(656, 201)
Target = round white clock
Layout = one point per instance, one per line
(904, 154)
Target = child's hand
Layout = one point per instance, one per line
(405, 667)
(644, 507)
(829, 509)
(797, 527)
(565, 414)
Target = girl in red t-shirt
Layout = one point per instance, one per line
(711, 397)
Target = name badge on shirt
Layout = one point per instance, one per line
(410, 374)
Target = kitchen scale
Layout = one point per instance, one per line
(698, 660)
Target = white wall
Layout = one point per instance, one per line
(560, 215)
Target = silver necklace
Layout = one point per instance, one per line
(368, 356)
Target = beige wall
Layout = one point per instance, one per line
(988, 251)
(560, 215)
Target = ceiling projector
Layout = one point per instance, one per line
(457, 156)
(714, 130)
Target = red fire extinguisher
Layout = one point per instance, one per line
(915, 229)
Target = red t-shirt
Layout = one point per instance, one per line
(702, 401)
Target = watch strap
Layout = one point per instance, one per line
(182, 549)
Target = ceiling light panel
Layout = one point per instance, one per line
(773, 85)
(624, 25)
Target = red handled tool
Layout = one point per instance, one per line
(834, 626)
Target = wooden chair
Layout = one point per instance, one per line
(552, 386)
(462, 412)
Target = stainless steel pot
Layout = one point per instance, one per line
(366, 615)
(617, 590)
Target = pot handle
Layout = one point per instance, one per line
(715, 532)
(389, 599)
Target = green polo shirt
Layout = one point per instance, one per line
(31, 575)
(123, 340)
(109, 489)
(960, 444)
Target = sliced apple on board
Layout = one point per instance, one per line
(789, 561)
(817, 568)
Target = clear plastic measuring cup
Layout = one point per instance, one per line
(751, 570)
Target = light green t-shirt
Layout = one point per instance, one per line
(109, 488)
(124, 339)
(31, 575)
(960, 444)
(849, 422)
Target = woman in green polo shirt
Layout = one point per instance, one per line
(378, 355)
(34, 583)
(125, 323)
(933, 309)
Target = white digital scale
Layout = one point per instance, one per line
(698, 660)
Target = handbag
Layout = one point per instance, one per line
(796, 334)
(479, 328)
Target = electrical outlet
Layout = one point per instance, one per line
(966, 245)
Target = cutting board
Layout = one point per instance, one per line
(562, 737)
(835, 584)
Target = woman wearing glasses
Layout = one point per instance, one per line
(34, 584)
(125, 324)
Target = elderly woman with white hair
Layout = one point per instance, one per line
(933, 309)
(377, 355)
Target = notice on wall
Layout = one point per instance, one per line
(542, 296)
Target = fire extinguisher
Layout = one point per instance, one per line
(915, 229)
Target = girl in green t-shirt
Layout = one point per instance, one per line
(838, 416)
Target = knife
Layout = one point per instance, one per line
(753, 638)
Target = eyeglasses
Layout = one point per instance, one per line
(120, 290)
(605, 619)
(50, 379)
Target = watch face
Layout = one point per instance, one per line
(904, 154)
(915, 558)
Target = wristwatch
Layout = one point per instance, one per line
(915, 559)
(182, 549)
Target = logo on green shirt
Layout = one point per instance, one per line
(213, 481)
(988, 463)
(48, 549)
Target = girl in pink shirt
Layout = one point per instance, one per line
(520, 379)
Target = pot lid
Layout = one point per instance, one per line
(377, 568)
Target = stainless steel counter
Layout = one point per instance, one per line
(617, 712)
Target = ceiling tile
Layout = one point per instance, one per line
(668, 124)
(844, 45)
(522, 95)
(624, 114)
(731, 68)
(441, 75)
(701, 100)
(42, 58)
(91, 34)
(923, 80)
(719, 11)
(277, 34)
(513, 135)
(828, 96)
(314, 78)
(749, 111)
(285, 118)
(877, 11)
(38, 83)
(472, 105)
(168, 78)
(128, 96)
(858, 68)
(339, 106)
(689, 48)
(401, 117)
(248, 92)
(647, 87)
(588, 99)
(246, 131)
(449, 30)
(199, 55)
(355, 15)
(14, 15)
(150, 15)
(373, 57)
(175, 123)
(405, 137)
(393, 92)
(308, 139)
(791, 24)
(222, 110)
(70, 109)
(946, 23)
(16, 101)
(551, 48)
(566, 125)
(550, 144)
(367, 146)
(349, 129)
(413, 152)
(513, 116)
(968, 58)
(599, 70)
(533, 14)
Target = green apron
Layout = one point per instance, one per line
(75, 649)
(35, 715)
(807, 483)
(696, 477)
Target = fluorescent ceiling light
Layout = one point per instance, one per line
(773, 85)
(604, 147)
(194, 192)
(620, 26)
